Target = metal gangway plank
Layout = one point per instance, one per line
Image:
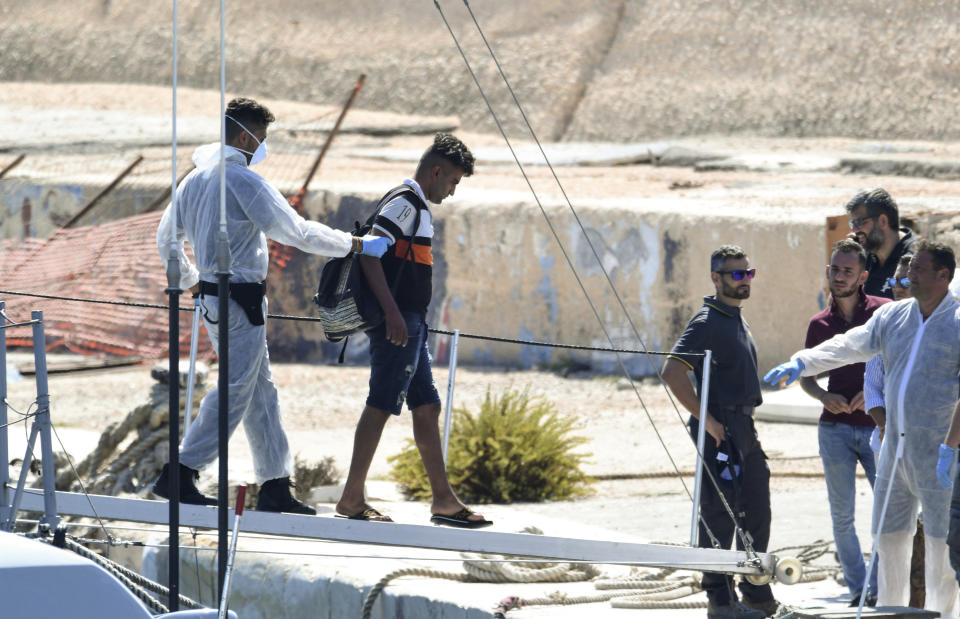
(414, 536)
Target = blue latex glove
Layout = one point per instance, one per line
(948, 455)
(374, 246)
(790, 369)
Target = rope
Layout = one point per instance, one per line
(473, 336)
(138, 585)
(738, 529)
(650, 590)
(375, 591)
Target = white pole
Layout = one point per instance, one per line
(173, 155)
(4, 434)
(223, 140)
(898, 454)
(238, 511)
(701, 434)
(195, 331)
(455, 339)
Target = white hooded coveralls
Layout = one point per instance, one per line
(255, 211)
(921, 359)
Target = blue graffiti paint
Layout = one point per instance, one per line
(531, 356)
(546, 289)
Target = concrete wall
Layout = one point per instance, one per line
(272, 586)
(501, 273)
(32, 208)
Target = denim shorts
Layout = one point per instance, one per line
(399, 373)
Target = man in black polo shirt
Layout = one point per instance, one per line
(741, 470)
(875, 224)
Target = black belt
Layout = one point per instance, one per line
(742, 410)
(248, 295)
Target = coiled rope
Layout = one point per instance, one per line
(659, 589)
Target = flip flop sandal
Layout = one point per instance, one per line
(369, 514)
(460, 519)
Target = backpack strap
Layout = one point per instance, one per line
(399, 190)
(410, 194)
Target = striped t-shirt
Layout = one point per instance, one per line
(396, 220)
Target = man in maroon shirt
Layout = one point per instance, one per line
(845, 427)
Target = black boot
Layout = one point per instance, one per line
(188, 486)
(275, 497)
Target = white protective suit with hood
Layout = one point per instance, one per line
(922, 363)
(255, 211)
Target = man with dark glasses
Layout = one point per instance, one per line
(875, 224)
(845, 428)
(740, 472)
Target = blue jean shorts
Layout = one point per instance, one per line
(399, 373)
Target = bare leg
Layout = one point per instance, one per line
(427, 436)
(365, 441)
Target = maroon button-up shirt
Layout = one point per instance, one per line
(847, 380)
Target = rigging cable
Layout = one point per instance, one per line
(744, 539)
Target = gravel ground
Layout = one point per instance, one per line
(321, 405)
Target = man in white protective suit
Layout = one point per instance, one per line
(254, 211)
(919, 339)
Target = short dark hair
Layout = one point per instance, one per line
(878, 202)
(448, 148)
(847, 246)
(904, 260)
(723, 253)
(942, 255)
(248, 113)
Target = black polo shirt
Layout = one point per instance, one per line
(876, 284)
(733, 374)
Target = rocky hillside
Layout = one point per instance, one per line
(584, 69)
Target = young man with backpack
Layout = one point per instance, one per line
(399, 355)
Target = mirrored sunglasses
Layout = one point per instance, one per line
(739, 274)
(903, 282)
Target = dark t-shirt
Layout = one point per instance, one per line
(847, 380)
(876, 284)
(733, 374)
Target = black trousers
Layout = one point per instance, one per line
(744, 481)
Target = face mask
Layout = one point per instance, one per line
(260, 153)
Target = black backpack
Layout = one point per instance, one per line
(346, 303)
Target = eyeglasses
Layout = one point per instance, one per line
(859, 221)
(903, 282)
(739, 274)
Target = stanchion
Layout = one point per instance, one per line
(4, 454)
(238, 511)
(454, 340)
(191, 375)
(42, 421)
(701, 434)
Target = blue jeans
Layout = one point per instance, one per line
(841, 447)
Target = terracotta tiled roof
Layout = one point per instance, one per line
(117, 261)
(13, 251)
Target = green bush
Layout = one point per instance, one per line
(518, 448)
